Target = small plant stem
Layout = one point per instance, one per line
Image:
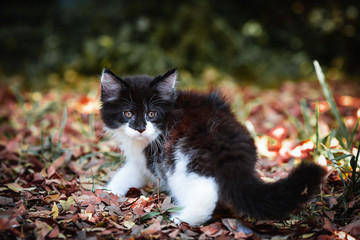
(158, 194)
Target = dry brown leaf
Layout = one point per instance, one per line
(330, 214)
(328, 225)
(153, 228)
(17, 188)
(55, 211)
(350, 226)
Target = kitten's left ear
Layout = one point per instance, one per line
(111, 85)
(166, 83)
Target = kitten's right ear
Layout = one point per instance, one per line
(165, 83)
(111, 85)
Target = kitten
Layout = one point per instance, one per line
(192, 141)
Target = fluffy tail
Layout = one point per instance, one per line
(276, 200)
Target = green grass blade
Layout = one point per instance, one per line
(341, 157)
(330, 98)
(149, 215)
(354, 132)
(298, 125)
(92, 181)
(19, 98)
(92, 125)
(174, 209)
(317, 129)
(306, 115)
(63, 122)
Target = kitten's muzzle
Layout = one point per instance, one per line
(140, 129)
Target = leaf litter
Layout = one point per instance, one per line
(54, 162)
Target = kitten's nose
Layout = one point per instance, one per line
(140, 130)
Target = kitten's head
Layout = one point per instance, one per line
(135, 108)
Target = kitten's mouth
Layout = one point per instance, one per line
(141, 137)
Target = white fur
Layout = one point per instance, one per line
(197, 194)
(134, 173)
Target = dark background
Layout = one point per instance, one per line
(261, 42)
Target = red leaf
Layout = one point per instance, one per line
(174, 234)
(54, 233)
(51, 171)
(330, 214)
(328, 225)
(153, 228)
(90, 208)
(350, 226)
(139, 211)
(38, 177)
(212, 230)
(240, 235)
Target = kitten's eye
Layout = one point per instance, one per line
(151, 114)
(128, 114)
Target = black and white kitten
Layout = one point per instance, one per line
(193, 142)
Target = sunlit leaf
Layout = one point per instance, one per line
(55, 211)
(67, 204)
(17, 188)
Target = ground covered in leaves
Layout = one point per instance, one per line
(54, 156)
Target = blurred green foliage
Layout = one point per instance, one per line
(259, 41)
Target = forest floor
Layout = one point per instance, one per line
(54, 155)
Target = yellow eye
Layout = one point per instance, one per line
(151, 114)
(128, 114)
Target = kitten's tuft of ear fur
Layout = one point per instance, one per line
(166, 83)
(111, 85)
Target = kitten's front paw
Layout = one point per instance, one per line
(175, 218)
(116, 190)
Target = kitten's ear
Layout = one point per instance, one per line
(166, 83)
(111, 85)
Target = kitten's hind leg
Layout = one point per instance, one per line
(197, 195)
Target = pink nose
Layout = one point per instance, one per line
(141, 130)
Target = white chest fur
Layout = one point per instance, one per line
(134, 173)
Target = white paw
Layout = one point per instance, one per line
(175, 218)
(188, 218)
(116, 190)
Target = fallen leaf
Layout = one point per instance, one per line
(212, 230)
(51, 171)
(307, 235)
(54, 233)
(55, 211)
(241, 235)
(174, 233)
(42, 229)
(95, 229)
(54, 197)
(90, 208)
(40, 214)
(343, 235)
(118, 226)
(153, 228)
(330, 214)
(234, 225)
(166, 204)
(350, 226)
(5, 200)
(328, 225)
(67, 204)
(17, 188)
(128, 224)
